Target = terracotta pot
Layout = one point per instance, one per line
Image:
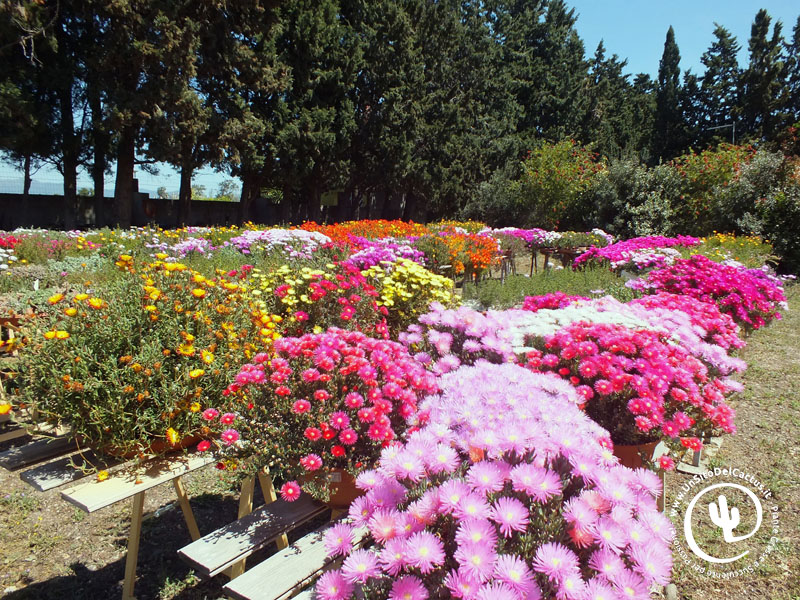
(342, 486)
(632, 455)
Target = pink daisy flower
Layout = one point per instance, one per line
(210, 414)
(360, 511)
(301, 406)
(485, 477)
(609, 534)
(424, 551)
(477, 560)
(383, 525)
(476, 531)
(408, 587)
(631, 587)
(348, 437)
(393, 556)
(354, 400)
(652, 563)
(496, 591)
(311, 462)
(339, 420)
(514, 572)
(608, 564)
(360, 566)
(450, 494)
(540, 484)
(290, 491)
(333, 586)
(510, 514)
(472, 506)
(461, 584)
(555, 560)
(597, 589)
(338, 540)
(443, 459)
(229, 436)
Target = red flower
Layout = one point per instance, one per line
(338, 451)
(312, 433)
(203, 446)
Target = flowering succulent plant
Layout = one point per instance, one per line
(751, 296)
(640, 253)
(637, 384)
(323, 401)
(508, 492)
(551, 300)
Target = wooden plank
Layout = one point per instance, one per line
(245, 508)
(188, 515)
(287, 570)
(122, 484)
(12, 433)
(137, 504)
(5, 417)
(64, 470)
(215, 552)
(16, 458)
(268, 490)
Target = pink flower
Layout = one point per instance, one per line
(227, 418)
(229, 436)
(311, 462)
(290, 491)
(312, 433)
(393, 557)
(666, 462)
(354, 400)
(339, 420)
(477, 560)
(338, 540)
(384, 524)
(510, 514)
(360, 566)
(301, 406)
(348, 437)
(408, 587)
(514, 572)
(555, 560)
(333, 586)
(424, 551)
(203, 446)
(210, 414)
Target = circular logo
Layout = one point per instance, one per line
(727, 522)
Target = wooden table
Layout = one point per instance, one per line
(127, 481)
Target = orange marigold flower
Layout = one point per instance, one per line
(195, 373)
(127, 389)
(62, 335)
(136, 367)
(198, 292)
(55, 298)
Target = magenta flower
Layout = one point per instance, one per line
(424, 551)
(477, 559)
(555, 560)
(485, 477)
(473, 506)
(510, 514)
(210, 414)
(539, 484)
(476, 531)
(408, 587)
(496, 591)
(338, 540)
(333, 586)
(339, 420)
(653, 565)
(514, 572)
(311, 462)
(462, 584)
(229, 436)
(384, 524)
(360, 566)
(393, 556)
(290, 491)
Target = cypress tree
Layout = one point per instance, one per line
(668, 125)
(718, 86)
(793, 75)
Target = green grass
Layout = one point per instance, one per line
(589, 282)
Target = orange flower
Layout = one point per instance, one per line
(208, 357)
(127, 389)
(136, 367)
(186, 350)
(198, 292)
(55, 298)
(125, 359)
(194, 407)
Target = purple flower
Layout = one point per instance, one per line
(360, 566)
(539, 484)
(339, 540)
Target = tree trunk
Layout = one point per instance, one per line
(410, 206)
(314, 209)
(69, 151)
(100, 142)
(123, 187)
(26, 182)
(286, 204)
(185, 196)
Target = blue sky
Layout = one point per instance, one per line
(636, 30)
(631, 29)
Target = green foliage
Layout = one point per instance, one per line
(554, 178)
(589, 282)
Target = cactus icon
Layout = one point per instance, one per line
(725, 519)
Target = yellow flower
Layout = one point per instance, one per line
(161, 256)
(185, 349)
(81, 297)
(62, 335)
(6, 408)
(173, 437)
(194, 407)
(55, 298)
(125, 257)
(208, 357)
(102, 475)
(49, 335)
(197, 278)
(195, 373)
(71, 311)
(198, 292)
(96, 303)
(150, 308)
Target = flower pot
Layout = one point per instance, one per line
(634, 455)
(342, 488)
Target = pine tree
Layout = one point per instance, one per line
(718, 86)
(793, 75)
(691, 111)
(641, 102)
(760, 105)
(668, 126)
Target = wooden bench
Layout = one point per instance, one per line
(288, 571)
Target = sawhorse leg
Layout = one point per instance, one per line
(133, 546)
(268, 489)
(245, 508)
(186, 508)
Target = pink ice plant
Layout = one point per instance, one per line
(636, 252)
(325, 401)
(597, 531)
(751, 297)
